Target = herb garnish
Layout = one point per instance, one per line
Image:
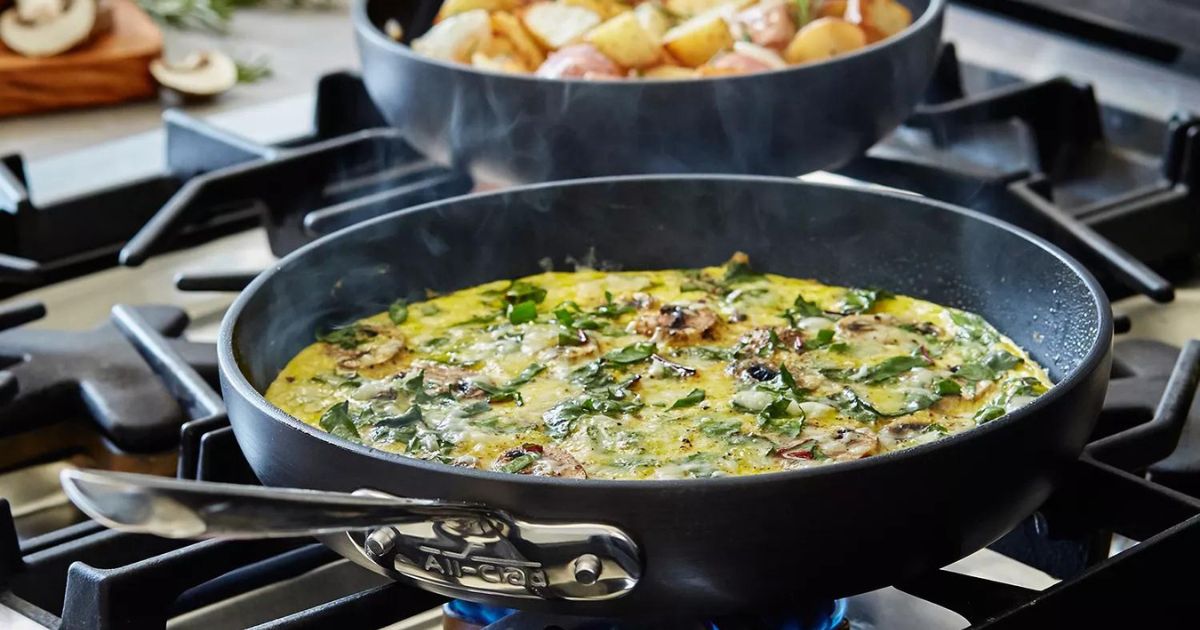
(337, 421)
(635, 353)
(347, 337)
(861, 300)
(519, 463)
(990, 367)
(398, 312)
(694, 397)
(560, 419)
(801, 309)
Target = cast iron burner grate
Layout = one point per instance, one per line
(84, 576)
(53, 380)
(218, 183)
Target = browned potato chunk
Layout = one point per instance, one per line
(689, 8)
(652, 19)
(623, 40)
(697, 40)
(457, 37)
(824, 38)
(507, 26)
(498, 63)
(667, 72)
(604, 8)
(556, 24)
(831, 8)
(454, 7)
(880, 18)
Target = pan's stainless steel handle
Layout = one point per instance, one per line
(455, 548)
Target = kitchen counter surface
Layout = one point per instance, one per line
(298, 44)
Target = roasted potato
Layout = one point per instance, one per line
(824, 38)
(664, 72)
(830, 8)
(501, 63)
(456, 38)
(507, 26)
(556, 24)
(454, 7)
(623, 40)
(695, 41)
(604, 8)
(692, 8)
(880, 18)
(652, 19)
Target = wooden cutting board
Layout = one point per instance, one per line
(113, 68)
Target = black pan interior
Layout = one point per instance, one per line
(1043, 301)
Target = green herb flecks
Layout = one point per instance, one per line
(337, 421)
(560, 419)
(398, 312)
(988, 413)
(694, 397)
(347, 337)
(519, 463)
(801, 309)
(990, 367)
(635, 353)
(861, 300)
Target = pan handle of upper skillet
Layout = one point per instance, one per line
(459, 548)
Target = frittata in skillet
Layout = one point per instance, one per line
(656, 374)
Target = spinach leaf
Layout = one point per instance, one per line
(631, 354)
(473, 409)
(801, 309)
(862, 300)
(398, 312)
(824, 337)
(560, 419)
(990, 367)
(946, 387)
(720, 428)
(714, 354)
(346, 337)
(519, 463)
(849, 402)
(526, 375)
(694, 397)
(611, 309)
(918, 400)
(972, 327)
(988, 413)
(337, 421)
(521, 291)
(892, 367)
(592, 375)
(412, 415)
(522, 312)
(738, 270)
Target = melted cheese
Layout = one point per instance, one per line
(657, 374)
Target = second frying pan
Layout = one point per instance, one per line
(521, 128)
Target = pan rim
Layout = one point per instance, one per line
(365, 27)
(232, 374)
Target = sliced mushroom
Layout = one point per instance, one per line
(677, 322)
(449, 379)
(540, 461)
(200, 74)
(47, 33)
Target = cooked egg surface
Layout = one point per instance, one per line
(656, 374)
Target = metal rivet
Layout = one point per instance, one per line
(381, 542)
(587, 569)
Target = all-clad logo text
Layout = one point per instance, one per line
(492, 570)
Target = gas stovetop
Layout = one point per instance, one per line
(105, 358)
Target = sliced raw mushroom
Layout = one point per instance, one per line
(47, 32)
(200, 74)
